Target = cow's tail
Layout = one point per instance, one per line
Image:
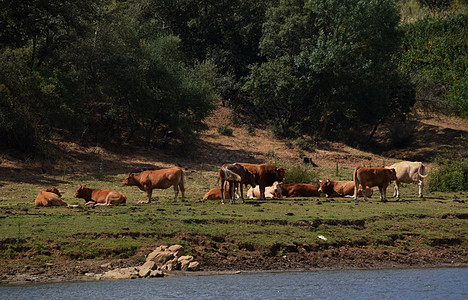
(422, 170)
(230, 175)
(356, 183)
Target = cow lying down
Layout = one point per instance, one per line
(271, 192)
(215, 194)
(100, 197)
(50, 197)
(334, 188)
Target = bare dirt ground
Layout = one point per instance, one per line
(434, 136)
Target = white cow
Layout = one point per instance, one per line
(409, 172)
(273, 191)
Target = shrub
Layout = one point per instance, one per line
(302, 174)
(224, 130)
(449, 176)
(305, 144)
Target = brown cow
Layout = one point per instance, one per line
(49, 197)
(235, 174)
(369, 177)
(299, 190)
(409, 172)
(215, 194)
(334, 188)
(265, 175)
(271, 192)
(99, 197)
(157, 179)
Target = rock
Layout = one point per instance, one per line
(194, 266)
(171, 265)
(123, 273)
(162, 257)
(178, 250)
(146, 268)
(156, 273)
(185, 261)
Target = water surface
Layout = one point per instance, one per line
(437, 283)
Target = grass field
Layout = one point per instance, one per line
(39, 235)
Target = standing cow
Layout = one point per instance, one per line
(370, 177)
(157, 179)
(409, 172)
(265, 175)
(235, 174)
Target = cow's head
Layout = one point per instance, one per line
(278, 193)
(249, 177)
(54, 190)
(280, 174)
(130, 180)
(81, 192)
(325, 187)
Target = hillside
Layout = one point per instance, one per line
(434, 136)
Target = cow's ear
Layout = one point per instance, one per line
(320, 180)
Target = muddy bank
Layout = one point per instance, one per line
(61, 270)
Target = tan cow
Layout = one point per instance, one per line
(299, 190)
(215, 194)
(157, 179)
(409, 172)
(271, 192)
(370, 177)
(335, 188)
(100, 197)
(265, 175)
(236, 175)
(49, 197)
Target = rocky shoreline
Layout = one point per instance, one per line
(171, 261)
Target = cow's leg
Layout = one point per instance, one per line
(242, 192)
(396, 190)
(421, 187)
(262, 192)
(176, 192)
(149, 194)
(182, 189)
(222, 191)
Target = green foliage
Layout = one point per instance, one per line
(449, 176)
(328, 65)
(225, 130)
(305, 144)
(302, 173)
(434, 53)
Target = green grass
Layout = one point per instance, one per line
(121, 231)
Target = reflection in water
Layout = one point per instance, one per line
(440, 283)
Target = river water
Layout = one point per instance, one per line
(437, 283)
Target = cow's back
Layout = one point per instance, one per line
(408, 171)
(45, 198)
(265, 174)
(163, 178)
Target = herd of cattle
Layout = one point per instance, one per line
(265, 181)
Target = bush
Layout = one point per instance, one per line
(449, 176)
(305, 144)
(302, 174)
(224, 130)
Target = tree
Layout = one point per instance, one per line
(336, 57)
